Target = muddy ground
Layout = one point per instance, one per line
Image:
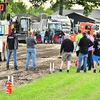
(45, 54)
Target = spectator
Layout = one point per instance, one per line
(31, 51)
(51, 36)
(42, 36)
(67, 46)
(89, 60)
(36, 34)
(84, 43)
(46, 36)
(78, 37)
(96, 52)
(60, 37)
(12, 42)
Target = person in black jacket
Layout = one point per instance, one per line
(12, 43)
(84, 43)
(67, 46)
(96, 52)
(60, 37)
(46, 36)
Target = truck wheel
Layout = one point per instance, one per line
(39, 39)
(6, 54)
(56, 38)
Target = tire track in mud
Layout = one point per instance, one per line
(45, 54)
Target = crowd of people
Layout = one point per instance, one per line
(48, 37)
(87, 47)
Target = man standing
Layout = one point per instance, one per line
(78, 37)
(51, 36)
(12, 42)
(89, 60)
(96, 52)
(83, 54)
(31, 51)
(42, 36)
(61, 33)
(67, 46)
(46, 36)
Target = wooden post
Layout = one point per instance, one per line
(51, 68)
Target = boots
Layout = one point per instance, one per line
(78, 71)
(84, 71)
(15, 68)
(94, 71)
(8, 68)
(67, 71)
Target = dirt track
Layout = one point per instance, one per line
(45, 54)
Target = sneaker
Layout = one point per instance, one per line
(60, 70)
(26, 69)
(99, 71)
(67, 71)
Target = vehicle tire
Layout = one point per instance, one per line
(56, 38)
(39, 39)
(6, 54)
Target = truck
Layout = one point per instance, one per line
(56, 22)
(23, 26)
(5, 30)
(86, 26)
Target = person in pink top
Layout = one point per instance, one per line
(89, 59)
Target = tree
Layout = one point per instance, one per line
(87, 4)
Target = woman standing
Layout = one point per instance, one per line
(31, 51)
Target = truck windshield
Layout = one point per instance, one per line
(55, 26)
(24, 24)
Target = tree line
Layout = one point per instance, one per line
(37, 6)
(21, 7)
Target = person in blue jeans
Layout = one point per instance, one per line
(31, 51)
(42, 36)
(60, 37)
(12, 43)
(84, 43)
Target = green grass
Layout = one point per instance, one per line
(60, 86)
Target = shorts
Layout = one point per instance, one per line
(66, 55)
(96, 58)
(50, 38)
(46, 38)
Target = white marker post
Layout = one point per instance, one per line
(8, 78)
(51, 68)
(12, 80)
